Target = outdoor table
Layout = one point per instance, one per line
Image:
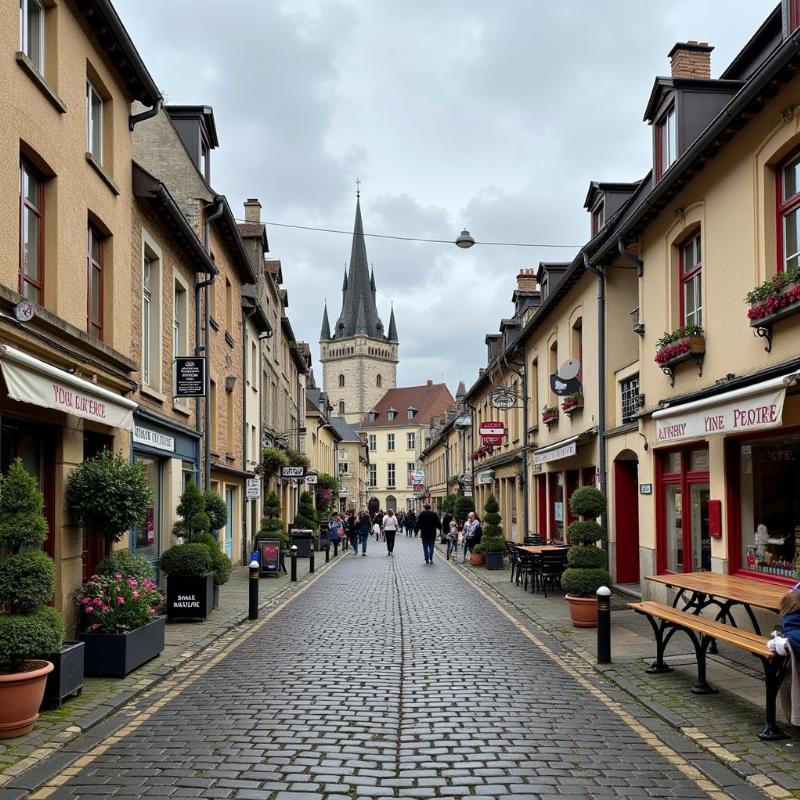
(723, 591)
(538, 549)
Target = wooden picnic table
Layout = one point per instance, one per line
(538, 549)
(723, 591)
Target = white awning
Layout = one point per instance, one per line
(553, 452)
(30, 380)
(753, 408)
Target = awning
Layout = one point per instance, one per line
(553, 452)
(30, 380)
(752, 408)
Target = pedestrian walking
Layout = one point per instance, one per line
(446, 520)
(400, 519)
(411, 523)
(363, 532)
(472, 533)
(428, 523)
(389, 530)
(352, 530)
(452, 538)
(335, 532)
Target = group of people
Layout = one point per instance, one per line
(355, 529)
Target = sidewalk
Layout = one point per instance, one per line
(724, 724)
(101, 697)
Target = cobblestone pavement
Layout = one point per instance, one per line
(384, 677)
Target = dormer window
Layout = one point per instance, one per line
(598, 217)
(391, 414)
(373, 415)
(666, 142)
(411, 412)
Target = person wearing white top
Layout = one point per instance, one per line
(390, 530)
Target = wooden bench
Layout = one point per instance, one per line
(665, 620)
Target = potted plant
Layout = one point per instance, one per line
(28, 627)
(680, 345)
(476, 555)
(297, 459)
(587, 571)
(217, 512)
(549, 414)
(272, 459)
(304, 520)
(493, 543)
(120, 623)
(221, 565)
(572, 403)
(774, 299)
(190, 581)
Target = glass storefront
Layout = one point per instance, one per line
(147, 537)
(769, 504)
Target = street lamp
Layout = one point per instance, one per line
(465, 241)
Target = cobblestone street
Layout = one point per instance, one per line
(383, 678)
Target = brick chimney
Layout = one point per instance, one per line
(526, 280)
(430, 382)
(252, 210)
(691, 60)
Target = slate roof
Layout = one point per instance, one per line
(430, 400)
(347, 432)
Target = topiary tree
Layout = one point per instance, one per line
(463, 506)
(131, 565)
(109, 495)
(220, 563)
(28, 629)
(271, 524)
(587, 570)
(492, 539)
(216, 509)
(192, 510)
(306, 515)
(449, 504)
(187, 560)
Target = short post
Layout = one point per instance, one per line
(327, 552)
(335, 548)
(604, 625)
(293, 569)
(253, 587)
(311, 559)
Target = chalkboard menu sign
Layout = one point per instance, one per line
(269, 556)
(190, 376)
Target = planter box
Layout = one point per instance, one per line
(117, 654)
(493, 560)
(696, 346)
(66, 679)
(215, 604)
(301, 538)
(570, 410)
(189, 598)
(549, 419)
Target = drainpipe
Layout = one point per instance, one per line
(637, 262)
(135, 119)
(219, 201)
(246, 503)
(601, 368)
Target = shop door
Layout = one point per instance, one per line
(95, 546)
(626, 520)
(229, 523)
(147, 537)
(556, 500)
(541, 505)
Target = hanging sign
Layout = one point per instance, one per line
(503, 398)
(416, 476)
(253, 488)
(492, 429)
(190, 376)
(293, 472)
(565, 381)
(311, 479)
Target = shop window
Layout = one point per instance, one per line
(31, 234)
(146, 537)
(691, 266)
(629, 396)
(788, 223)
(31, 32)
(768, 500)
(94, 277)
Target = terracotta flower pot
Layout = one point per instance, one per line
(476, 559)
(21, 695)
(582, 611)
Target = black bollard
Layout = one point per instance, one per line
(311, 560)
(293, 575)
(253, 586)
(604, 625)
(335, 548)
(327, 552)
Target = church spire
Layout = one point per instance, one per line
(392, 337)
(325, 334)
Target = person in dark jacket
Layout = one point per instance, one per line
(446, 520)
(364, 523)
(428, 523)
(411, 523)
(352, 529)
(790, 619)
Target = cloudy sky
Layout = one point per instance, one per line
(488, 114)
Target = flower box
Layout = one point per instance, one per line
(550, 415)
(776, 307)
(66, 679)
(682, 350)
(572, 404)
(118, 654)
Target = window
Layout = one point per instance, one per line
(577, 344)
(373, 475)
(228, 306)
(373, 415)
(31, 32)
(390, 476)
(230, 428)
(344, 468)
(410, 467)
(794, 15)
(147, 316)
(391, 415)
(533, 399)
(410, 413)
(379, 381)
(31, 234)
(94, 276)
(390, 441)
(180, 311)
(691, 282)
(666, 142)
(629, 391)
(94, 123)
(373, 442)
(598, 217)
(341, 407)
(341, 381)
(553, 365)
(411, 441)
(151, 316)
(788, 227)
(212, 414)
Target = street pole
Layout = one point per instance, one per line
(293, 559)
(253, 590)
(604, 625)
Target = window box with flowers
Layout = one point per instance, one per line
(550, 415)
(686, 343)
(773, 301)
(572, 403)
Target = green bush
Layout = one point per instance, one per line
(587, 501)
(479, 548)
(463, 506)
(27, 580)
(585, 531)
(582, 582)
(271, 524)
(26, 636)
(221, 564)
(126, 563)
(217, 511)
(297, 459)
(187, 560)
(492, 539)
(306, 516)
(192, 512)
(586, 556)
(21, 522)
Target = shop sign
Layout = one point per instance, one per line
(311, 479)
(558, 511)
(418, 488)
(492, 429)
(467, 492)
(416, 476)
(253, 488)
(190, 376)
(503, 398)
(293, 472)
(484, 478)
(343, 490)
(645, 488)
(555, 453)
(154, 439)
(565, 381)
(756, 412)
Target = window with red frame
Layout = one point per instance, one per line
(794, 14)
(94, 272)
(31, 234)
(788, 227)
(692, 282)
(666, 142)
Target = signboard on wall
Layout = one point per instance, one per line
(293, 472)
(311, 479)
(151, 438)
(253, 488)
(190, 376)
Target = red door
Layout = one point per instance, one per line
(541, 505)
(572, 484)
(626, 520)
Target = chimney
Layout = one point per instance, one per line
(430, 382)
(252, 210)
(691, 60)
(526, 280)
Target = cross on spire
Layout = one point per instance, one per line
(358, 186)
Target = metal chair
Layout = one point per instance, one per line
(551, 567)
(511, 551)
(533, 538)
(524, 567)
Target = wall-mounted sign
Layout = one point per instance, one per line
(485, 477)
(24, 311)
(565, 381)
(253, 488)
(547, 454)
(344, 490)
(154, 439)
(310, 479)
(467, 492)
(558, 511)
(416, 476)
(645, 488)
(190, 376)
(492, 429)
(503, 398)
(293, 472)
(342, 453)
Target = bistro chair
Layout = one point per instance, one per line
(511, 551)
(550, 567)
(533, 538)
(524, 568)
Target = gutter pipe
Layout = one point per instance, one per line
(135, 119)
(246, 314)
(637, 262)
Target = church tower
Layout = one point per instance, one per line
(359, 359)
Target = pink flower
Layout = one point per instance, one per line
(135, 595)
(89, 609)
(121, 600)
(151, 612)
(118, 576)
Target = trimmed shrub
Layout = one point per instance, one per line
(449, 504)
(192, 511)
(187, 560)
(27, 580)
(109, 495)
(26, 636)
(492, 540)
(126, 563)
(217, 511)
(586, 556)
(271, 524)
(587, 571)
(221, 564)
(306, 516)
(587, 501)
(463, 506)
(585, 532)
(583, 582)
